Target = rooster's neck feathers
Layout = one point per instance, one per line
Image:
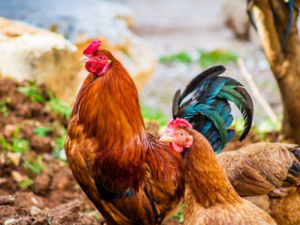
(108, 108)
(205, 176)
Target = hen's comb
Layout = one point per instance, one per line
(94, 46)
(178, 122)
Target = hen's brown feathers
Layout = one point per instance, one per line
(260, 168)
(206, 177)
(209, 197)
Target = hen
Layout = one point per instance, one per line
(209, 196)
(268, 175)
(129, 175)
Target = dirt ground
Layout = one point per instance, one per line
(36, 185)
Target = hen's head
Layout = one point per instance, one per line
(96, 61)
(177, 135)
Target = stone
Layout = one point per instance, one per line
(9, 130)
(96, 19)
(31, 53)
(15, 157)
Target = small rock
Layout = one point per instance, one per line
(6, 200)
(35, 211)
(18, 177)
(32, 53)
(27, 200)
(9, 221)
(42, 183)
(14, 157)
(3, 180)
(41, 145)
(9, 130)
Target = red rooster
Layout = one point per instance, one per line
(129, 175)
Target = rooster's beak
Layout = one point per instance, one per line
(84, 59)
(166, 138)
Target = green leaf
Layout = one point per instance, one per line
(32, 92)
(58, 106)
(34, 166)
(42, 131)
(182, 57)
(26, 183)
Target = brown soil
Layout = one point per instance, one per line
(51, 193)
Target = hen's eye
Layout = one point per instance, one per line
(181, 134)
(100, 57)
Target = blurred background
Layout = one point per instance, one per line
(163, 45)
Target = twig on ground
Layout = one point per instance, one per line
(256, 93)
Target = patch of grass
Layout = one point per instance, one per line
(3, 107)
(204, 58)
(126, 53)
(154, 114)
(59, 145)
(32, 92)
(269, 125)
(179, 214)
(34, 166)
(26, 183)
(17, 144)
(238, 124)
(218, 56)
(42, 131)
(181, 57)
(59, 107)
(4, 144)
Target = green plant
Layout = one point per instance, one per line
(3, 107)
(179, 214)
(205, 58)
(34, 166)
(26, 183)
(269, 125)
(32, 92)
(42, 131)
(4, 144)
(218, 56)
(59, 145)
(182, 57)
(19, 145)
(154, 114)
(58, 106)
(238, 125)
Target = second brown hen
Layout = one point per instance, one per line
(267, 174)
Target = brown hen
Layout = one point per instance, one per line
(268, 175)
(209, 197)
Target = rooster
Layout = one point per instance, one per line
(209, 196)
(129, 175)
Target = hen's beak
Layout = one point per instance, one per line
(84, 59)
(166, 138)
(108, 61)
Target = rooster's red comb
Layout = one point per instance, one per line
(94, 46)
(178, 122)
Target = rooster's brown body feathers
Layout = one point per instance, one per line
(129, 175)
